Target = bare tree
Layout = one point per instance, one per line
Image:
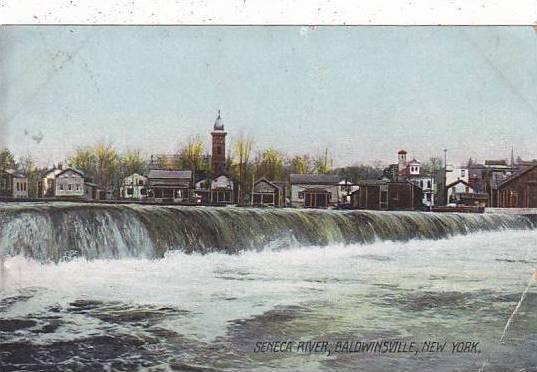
(242, 152)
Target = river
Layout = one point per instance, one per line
(93, 287)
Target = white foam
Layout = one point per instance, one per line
(217, 288)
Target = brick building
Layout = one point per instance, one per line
(519, 190)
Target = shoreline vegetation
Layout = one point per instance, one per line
(107, 166)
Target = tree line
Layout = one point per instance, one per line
(107, 166)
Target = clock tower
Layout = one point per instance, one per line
(218, 156)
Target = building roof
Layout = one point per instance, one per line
(160, 173)
(314, 178)
(373, 182)
(271, 183)
(219, 123)
(402, 152)
(383, 182)
(526, 163)
(280, 184)
(456, 182)
(495, 162)
(80, 173)
(55, 171)
(15, 173)
(516, 175)
(414, 161)
(222, 182)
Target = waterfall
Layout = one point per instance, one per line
(58, 231)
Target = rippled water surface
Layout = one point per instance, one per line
(206, 312)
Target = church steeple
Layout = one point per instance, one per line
(512, 156)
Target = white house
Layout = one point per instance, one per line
(133, 187)
(13, 184)
(314, 190)
(64, 183)
(412, 172)
(222, 190)
(70, 183)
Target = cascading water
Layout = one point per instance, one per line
(56, 231)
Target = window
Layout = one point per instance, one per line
(18, 186)
(429, 184)
(218, 150)
(24, 184)
(463, 173)
(61, 187)
(77, 187)
(421, 184)
(140, 182)
(428, 196)
(130, 191)
(301, 195)
(69, 187)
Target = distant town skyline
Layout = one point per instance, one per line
(362, 92)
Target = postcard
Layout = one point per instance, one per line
(262, 197)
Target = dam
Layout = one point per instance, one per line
(56, 231)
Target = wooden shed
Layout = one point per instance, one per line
(387, 195)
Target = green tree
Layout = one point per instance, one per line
(191, 156)
(27, 165)
(166, 162)
(7, 160)
(107, 165)
(322, 163)
(300, 164)
(132, 161)
(84, 159)
(360, 172)
(270, 164)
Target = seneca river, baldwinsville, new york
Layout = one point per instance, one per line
(87, 287)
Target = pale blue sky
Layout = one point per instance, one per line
(364, 92)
